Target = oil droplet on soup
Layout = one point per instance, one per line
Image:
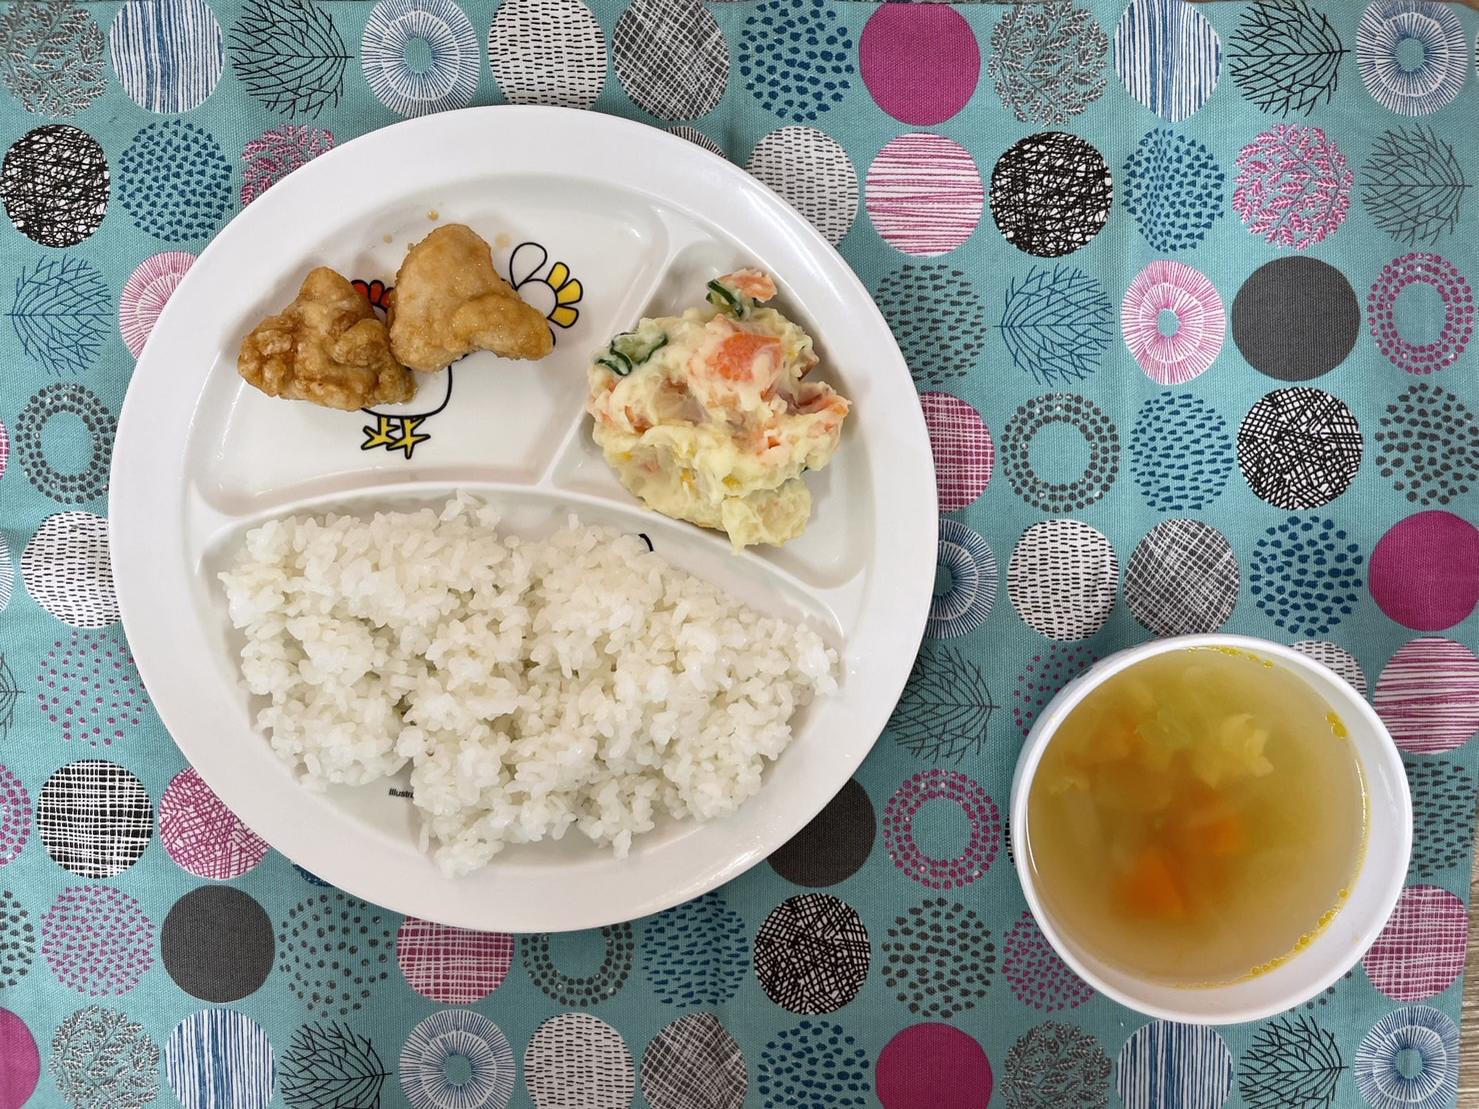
(1197, 818)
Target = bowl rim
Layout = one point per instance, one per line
(1355, 704)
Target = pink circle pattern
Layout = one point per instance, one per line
(145, 294)
(1201, 322)
(1421, 950)
(1424, 572)
(20, 1061)
(1035, 973)
(1293, 186)
(274, 154)
(456, 966)
(97, 940)
(1428, 696)
(202, 835)
(933, 1066)
(1451, 286)
(921, 62)
(924, 194)
(962, 446)
(15, 816)
(90, 689)
(980, 811)
(1043, 676)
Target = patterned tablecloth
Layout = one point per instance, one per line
(1187, 294)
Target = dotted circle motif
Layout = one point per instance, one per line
(54, 184)
(1182, 579)
(569, 990)
(1035, 973)
(575, 1061)
(1428, 444)
(467, 1037)
(95, 818)
(1299, 448)
(694, 1063)
(671, 58)
(696, 953)
(90, 689)
(101, 1059)
(1386, 27)
(448, 80)
(1174, 189)
(219, 1058)
(981, 815)
(547, 52)
(1336, 659)
(1043, 676)
(1443, 796)
(970, 566)
(1409, 1060)
(17, 940)
(87, 484)
(796, 58)
(202, 835)
(97, 940)
(331, 950)
(175, 182)
(938, 318)
(812, 954)
(1051, 193)
(1306, 575)
(1452, 288)
(1085, 417)
(1063, 578)
(938, 958)
(815, 1059)
(456, 966)
(15, 816)
(811, 171)
(1181, 452)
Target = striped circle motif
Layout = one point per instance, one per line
(145, 294)
(1428, 696)
(1421, 950)
(445, 77)
(1409, 1060)
(969, 565)
(1063, 578)
(463, 1037)
(547, 52)
(1168, 55)
(167, 53)
(1174, 322)
(455, 966)
(962, 448)
(1386, 27)
(924, 194)
(1184, 1065)
(220, 1059)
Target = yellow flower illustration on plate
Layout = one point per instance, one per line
(555, 293)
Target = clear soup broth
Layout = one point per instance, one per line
(1197, 818)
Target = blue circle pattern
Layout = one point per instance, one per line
(963, 607)
(1173, 188)
(817, 1063)
(1166, 1064)
(167, 54)
(175, 181)
(220, 1059)
(696, 953)
(457, 1034)
(1306, 575)
(1389, 24)
(796, 60)
(1409, 1060)
(1181, 452)
(448, 81)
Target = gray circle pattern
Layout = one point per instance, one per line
(1183, 579)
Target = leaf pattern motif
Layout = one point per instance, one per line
(1056, 324)
(329, 1066)
(1285, 56)
(1414, 186)
(1047, 61)
(1293, 1064)
(945, 708)
(289, 55)
(51, 59)
(61, 312)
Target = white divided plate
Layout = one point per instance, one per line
(641, 219)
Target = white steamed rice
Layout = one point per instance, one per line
(574, 680)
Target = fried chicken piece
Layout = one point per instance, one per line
(328, 347)
(449, 301)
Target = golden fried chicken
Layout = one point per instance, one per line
(449, 301)
(328, 347)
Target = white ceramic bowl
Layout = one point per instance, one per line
(1335, 949)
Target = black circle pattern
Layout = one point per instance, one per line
(833, 845)
(217, 944)
(95, 818)
(1091, 422)
(1299, 448)
(17, 940)
(570, 990)
(939, 959)
(694, 1063)
(671, 58)
(331, 950)
(1429, 445)
(87, 484)
(812, 954)
(938, 319)
(1182, 579)
(54, 183)
(1051, 193)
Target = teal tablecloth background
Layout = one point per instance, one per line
(1037, 195)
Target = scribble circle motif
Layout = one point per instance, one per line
(547, 52)
(938, 318)
(1337, 659)
(1054, 1065)
(1174, 322)
(815, 1059)
(1181, 452)
(442, 77)
(202, 835)
(796, 58)
(1409, 1060)
(962, 449)
(216, 943)
(1168, 55)
(933, 1065)
(811, 172)
(1098, 432)
(938, 959)
(1306, 575)
(1050, 193)
(90, 689)
(220, 1059)
(1043, 675)
(331, 949)
(100, 1059)
(463, 1037)
(1421, 950)
(17, 940)
(274, 154)
(97, 940)
(15, 816)
(167, 54)
(583, 990)
(1443, 796)
(22, 1061)
(1173, 188)
(924, 194)
(1452, 288)
(982, 818)
(671, 58)
(54, 183)
(696, 953)
(833, 845)
(1428, 695)
(67, 570)
(1295, 318)
(920, 62)
(175, 182)
(95, 818)
(812, 954)
(145, 294)
(1424, 571)
(1293, 187)
(1185, 1065)
(969, 567)
(456, 966)
(1182, 579)
(1047, 62)
(1036, 975)
(694, 1063)
(56, 58)
(66, 485)
(1062, 579)
(1428, 444)
(576, 1061)
(1386, 27)
(1299, 448)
